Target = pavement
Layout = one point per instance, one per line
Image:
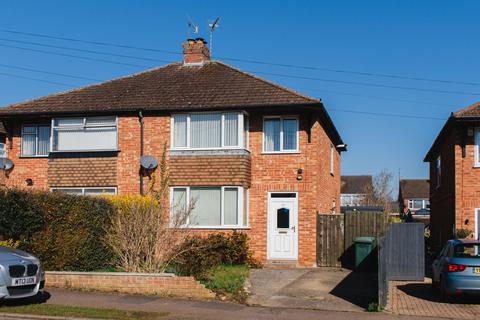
(418, 299)
(332, 289)
(203, 310)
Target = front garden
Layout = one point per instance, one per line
(122, 233)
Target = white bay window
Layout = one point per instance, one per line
(85, 134)
(212, 206)
(208, 130)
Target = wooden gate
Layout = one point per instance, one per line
(336, 235)
(330, 240)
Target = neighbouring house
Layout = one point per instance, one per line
(455, 176)
(414, 194)
(257, 157)
(354, 191)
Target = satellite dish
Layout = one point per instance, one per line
(148, 162)
(6, 164)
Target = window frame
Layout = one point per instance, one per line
(476, 133)
(241, 139)
(477, 223)
(281, 118)
(332, 159)
(3, 150)
(83, 189)
(240, 207)
(36, 155)
(411, 201)
(438, 171)
(84, 125)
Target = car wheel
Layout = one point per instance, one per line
(443, 292)
(434, 285)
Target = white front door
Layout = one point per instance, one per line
(282, 226)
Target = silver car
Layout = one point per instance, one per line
(21, 274)
(457, 269)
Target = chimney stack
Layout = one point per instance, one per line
(195, 52)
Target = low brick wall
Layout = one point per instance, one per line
(165, 284)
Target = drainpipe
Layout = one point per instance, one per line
(140, 119)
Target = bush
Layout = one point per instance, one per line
(200, 255)
(142, 234)
(463, 233)
(14, 244)
(65, 231)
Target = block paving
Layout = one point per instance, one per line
(419, 299)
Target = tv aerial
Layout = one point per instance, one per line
(192, 25)
(212, 26)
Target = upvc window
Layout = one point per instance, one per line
(212, 206)
(416, 204)
(85, 134)
(208, 130)
(280, 134)
(477, 147)
(87, 191)
(3, 150)
(332, 159)
(35, 140)
(438, 167)
(352, 199)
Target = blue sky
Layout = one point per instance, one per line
(416, 39)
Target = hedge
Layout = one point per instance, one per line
(65, 231)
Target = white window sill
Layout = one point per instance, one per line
(476, 166)
(281, 152)
(26, 157)
(217, 228)
(85, 151)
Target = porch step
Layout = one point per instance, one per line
(281, 264)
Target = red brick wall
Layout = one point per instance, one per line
(467, 184)
(25, 168)
(278, 172)
(318, 190)
(140, 283)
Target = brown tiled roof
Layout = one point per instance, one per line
(470, 113)
(414, 188)
(174, 86)
(355, 184)
(472, 110)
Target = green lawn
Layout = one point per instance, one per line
(228, 280)
(80, 312)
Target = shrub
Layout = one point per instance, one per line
(463, 233)
(142, 235)
(200, 255)
(65, 231)
(14, 244)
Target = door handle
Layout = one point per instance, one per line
(293, 228)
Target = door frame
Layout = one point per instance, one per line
(477, 223)
(295, 219)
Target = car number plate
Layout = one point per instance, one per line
(476, 270)
(23, 281)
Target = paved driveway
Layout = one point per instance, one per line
(321, 288)
(418, 299)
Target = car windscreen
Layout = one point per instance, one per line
(467, 250)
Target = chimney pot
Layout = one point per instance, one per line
(195, 52)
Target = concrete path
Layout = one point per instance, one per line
(323, 289)
(203, 310)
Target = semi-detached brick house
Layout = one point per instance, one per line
(256, 156)
(455, 176)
